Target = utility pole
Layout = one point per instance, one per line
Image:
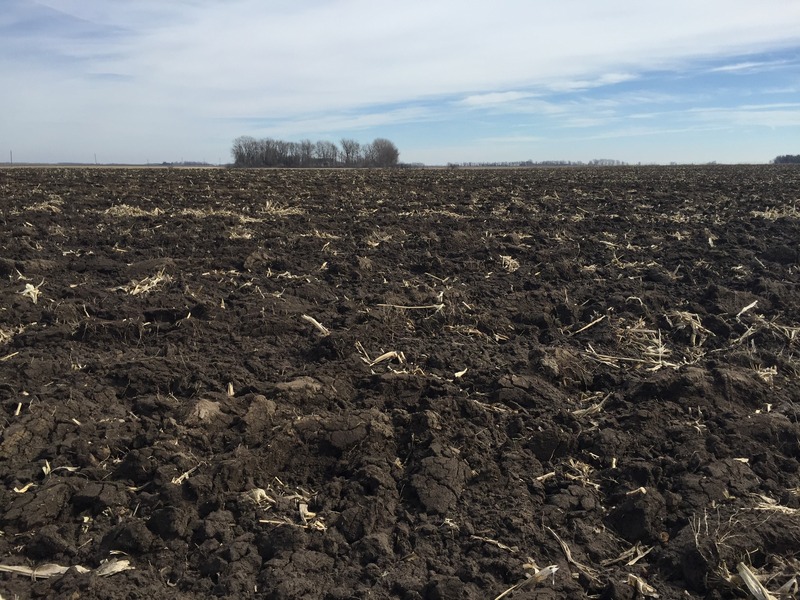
(11, 157)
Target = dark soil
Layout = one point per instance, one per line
(520, 367)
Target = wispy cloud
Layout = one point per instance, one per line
(750, 66)
(767, 115)
(514, 139)
(319, 125)
(493, 99)
(573, 85)
(630, 132)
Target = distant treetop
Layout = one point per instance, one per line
(787, 159)
(250, 152)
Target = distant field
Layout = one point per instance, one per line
(399, 384)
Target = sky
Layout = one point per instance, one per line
(137, 81)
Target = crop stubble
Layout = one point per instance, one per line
(409, 384)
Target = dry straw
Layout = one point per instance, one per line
(323, 331)
(146, 285)
(32, 291)
(46, 571)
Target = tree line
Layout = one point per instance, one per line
(249, 152)
(787, 159)
(597, 162)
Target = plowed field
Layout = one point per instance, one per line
(415, 384)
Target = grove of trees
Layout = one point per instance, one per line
(251, 152)
(787, 159)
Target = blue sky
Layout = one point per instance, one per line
(446, 80)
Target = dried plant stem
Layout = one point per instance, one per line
(324, 331)
(436, 307)
(586, 570)
(585, 327)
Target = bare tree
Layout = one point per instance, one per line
(288, 154)
(351, 151)
(267, 152)
(368, 156)
(245, 151)
(327, 153)
(383, 153)
(306, 152)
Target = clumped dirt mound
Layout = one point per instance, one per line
(422, 384)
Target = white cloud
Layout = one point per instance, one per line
(768, 115)
(493, 99)
(309, 56)
(749, 66)
(583, 84)
(173, 72)
(341, 121)
(629, 132)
